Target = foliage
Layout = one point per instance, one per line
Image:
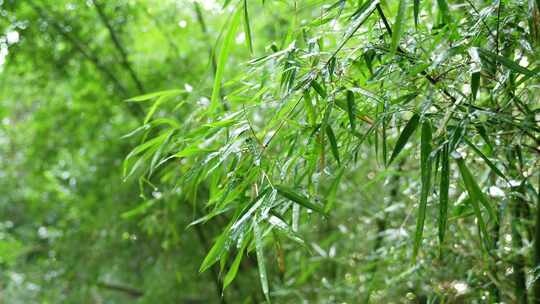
(332, 151)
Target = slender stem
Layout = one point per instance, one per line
(431, 80)
(135, 109)
(119, 47)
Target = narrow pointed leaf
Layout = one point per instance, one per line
(319, 89)
(425, 168)
(298, 198)
(247, 28)
(476, 196)
(263, 276)
(484, 157)
(399, 24)
(333, 143)
(222, 59)
(231, 274)
(404, 136)
(350, 109)
(475, 84)
(215, 252)
(443, 193)
(416, 10)
(510, 64)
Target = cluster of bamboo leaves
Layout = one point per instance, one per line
(447, 88)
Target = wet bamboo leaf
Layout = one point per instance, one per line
(310, 109)
(443, 193)
(298, 198)
(247, 28)
(488, 162)
(333, 143)
(222, 59)
(215, 252)
(350, 109)
(233, 270)
(263, 276)
(404, 136)
(476, 198)
(319, 89)
(425, 168)
(444, 11)
(475, 84)
(416, 10)
(399, 24)
(510, 64)
(151, 96)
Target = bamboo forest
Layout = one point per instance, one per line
(269, 151)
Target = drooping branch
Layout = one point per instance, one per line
(119, 47)
(79, 46)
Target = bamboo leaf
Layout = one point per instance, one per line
(399, 24)
(444, 10)
(222, 59)
(260, 259)
(404, 136)
(319, 89)
(510, 64)
(476, 196)
(298, 198)
(233, 270)
(350, 109)
(484, 157)
(416, 10)
(425, 168)
(333, 143)
(151, 96)
(310, 109)
(359, 17)
(443, 193)
(247, 28)
(475, 84)
(215, 252)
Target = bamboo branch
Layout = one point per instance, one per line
(135, 109)
(119, 47)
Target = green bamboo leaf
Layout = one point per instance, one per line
(510, 64)
(298, 198)
(333, 143)
(319, 89)
(233, 270)
(445, 12)
(151, 96)
(162, 98)
(215, 252)
(350, 109)
(359, 17)
(405, 98)
(425, 168)
(247, 28)
(310, 109)
(475, 84)
(260, 259)
(404, 136)
(484, 157)
(476, 197)
(399, 24)
(443, 193)
(331, 195)
(222, 59)
(384, 139)
(416, 10)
